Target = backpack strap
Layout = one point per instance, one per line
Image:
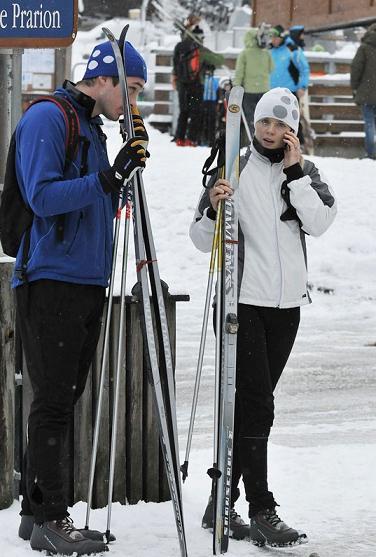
(217, 151)
(72, 125)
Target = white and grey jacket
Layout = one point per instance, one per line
(272, 252)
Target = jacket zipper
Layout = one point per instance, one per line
(276, 235)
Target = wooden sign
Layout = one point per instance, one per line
(38, 23)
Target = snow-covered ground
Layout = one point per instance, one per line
(323, 445)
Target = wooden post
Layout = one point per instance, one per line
(7, 385)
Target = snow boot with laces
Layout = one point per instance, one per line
(267, 528)
(27, 524)
(238, 528)
(61, 537)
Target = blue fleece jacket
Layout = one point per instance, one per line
(84, 255)
(281, 77)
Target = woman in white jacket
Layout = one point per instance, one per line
(281, 198)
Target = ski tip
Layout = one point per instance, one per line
(122, 38)
(108, 34)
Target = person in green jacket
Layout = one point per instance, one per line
(363, 84)
(253, 68)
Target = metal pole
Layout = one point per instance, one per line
(204, 329)
(120, 356)
(103, 367)
(63, 65)
(246, 126)
(144, 7)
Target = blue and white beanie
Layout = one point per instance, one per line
(102, 62)
(279, 103)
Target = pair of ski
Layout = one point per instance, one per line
(160, 366)
(224, 257)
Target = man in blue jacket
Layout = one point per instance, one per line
(60, 302)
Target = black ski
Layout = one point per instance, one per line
(151, 294)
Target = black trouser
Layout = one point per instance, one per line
(265, 339)
(190, 105)
(60, 325)
(209, 123)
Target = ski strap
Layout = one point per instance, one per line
(217, 151)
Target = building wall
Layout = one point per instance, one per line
(314, 13)
(115, 8)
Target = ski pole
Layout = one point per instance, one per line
(247, 129)
(204, 330)
(120, 352)
(103, 365)
(105, 347)
(126, 130)
(218, 331)
(214, 473)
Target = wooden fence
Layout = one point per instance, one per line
(139, 471)
(336, 120)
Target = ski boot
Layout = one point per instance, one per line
(27, 524)
(238, 528)
(61, 537)
(267, 528)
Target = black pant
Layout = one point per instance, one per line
(190, 105)
(60, 326)
(208, 123)
(265, 339)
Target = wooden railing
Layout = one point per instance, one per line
(335, 118)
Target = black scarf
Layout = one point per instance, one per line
(274, 155)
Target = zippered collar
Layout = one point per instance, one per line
(273, 155)
(80, 100)
(263, 158)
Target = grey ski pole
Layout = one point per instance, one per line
(204, 330)
(120, 347)
(103, 367)
(105, 350)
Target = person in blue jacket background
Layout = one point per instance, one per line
(291, 67)
(60, 302)
(284, 75)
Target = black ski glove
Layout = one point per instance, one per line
(131, 157)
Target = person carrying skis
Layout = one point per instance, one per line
(61, 295)
(190, 62)
(281, 199)
(253, 68)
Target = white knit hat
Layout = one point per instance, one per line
(279, 103)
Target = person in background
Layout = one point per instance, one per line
(291, 68)
(209, 108)
(190, 61)
(65, 270)
(253, 68)
(296, 41)
(363, 84)
(281, 197)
